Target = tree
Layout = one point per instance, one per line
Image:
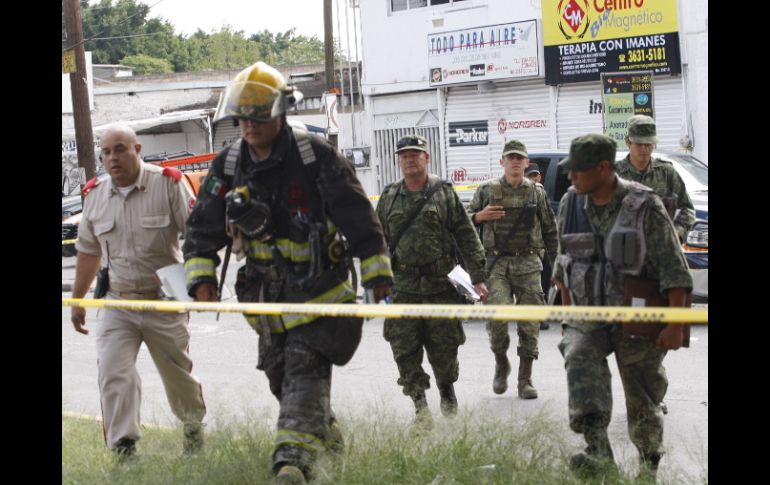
(144, 64)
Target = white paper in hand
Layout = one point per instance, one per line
(174, 285)
(461, 280)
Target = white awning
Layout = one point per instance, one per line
(143, 124)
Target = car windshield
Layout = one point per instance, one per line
(694, 173)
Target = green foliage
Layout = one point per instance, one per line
(120, 29)
(382, 450)
(143, 64)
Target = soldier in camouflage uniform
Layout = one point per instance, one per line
(497, 206)
(611, 229)
(659, 175)
(421, 260)
(282, 198)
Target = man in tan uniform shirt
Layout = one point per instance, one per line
(132, 222)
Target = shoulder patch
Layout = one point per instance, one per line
(172, 173)
(90, 185)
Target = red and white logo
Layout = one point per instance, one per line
(574, 16)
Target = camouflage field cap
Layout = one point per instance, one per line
(641, 129)
(532, 168)
(585, 152)
(515, 146)
(412, 142)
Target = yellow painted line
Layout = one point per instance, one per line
(571, 314)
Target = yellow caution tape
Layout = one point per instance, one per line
(68, 241)
(570, 314)
(460, 188)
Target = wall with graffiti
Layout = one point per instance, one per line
(70, 172)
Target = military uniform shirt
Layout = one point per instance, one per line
(662, 178)
(427, 239)
(142, 229)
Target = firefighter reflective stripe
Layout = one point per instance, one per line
(341, 293)
(231, 161)
(293, 251)
(296, 438)
(195, 268)
(253, 321)
(305, 150)
(330, 227)
(373, 266)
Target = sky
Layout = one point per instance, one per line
(251, 16)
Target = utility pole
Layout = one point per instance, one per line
(84, 136)
(329, 57)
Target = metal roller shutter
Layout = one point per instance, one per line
(577, 112)
(513, 111)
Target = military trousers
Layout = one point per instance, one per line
(508, 288)
(118, 337)
(300, 376)
(439, 338)
(640, 363)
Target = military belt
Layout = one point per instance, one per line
(518, 252)
(442, 265)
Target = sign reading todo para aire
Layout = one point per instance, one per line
(483, 53)
(625, 94)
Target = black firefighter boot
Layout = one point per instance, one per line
(423, 418)
(448, 399)
(526, 389)
(502, 371)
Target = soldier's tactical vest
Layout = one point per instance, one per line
(495, 234)
(595, 272)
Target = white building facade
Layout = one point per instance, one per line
(469, 102)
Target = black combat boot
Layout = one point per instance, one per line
(648, 466)
(526, 389)
(448, 399)
(502, 371)
(423, 420)
(193, 438)
(597, 459)
(126, 451)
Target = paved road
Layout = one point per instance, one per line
(225, 356)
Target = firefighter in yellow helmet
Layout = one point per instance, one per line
(284, 199)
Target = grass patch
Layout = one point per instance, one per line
(383, 450)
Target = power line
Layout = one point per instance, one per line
(95, 37)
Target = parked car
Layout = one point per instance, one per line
(193, 168)
(71, 204)
(694, 173)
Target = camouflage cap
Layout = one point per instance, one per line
(641, 129)
(532, 168)
(412, 142)
(585, 152)
(515, 146)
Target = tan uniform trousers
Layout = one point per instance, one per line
(118, 337)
